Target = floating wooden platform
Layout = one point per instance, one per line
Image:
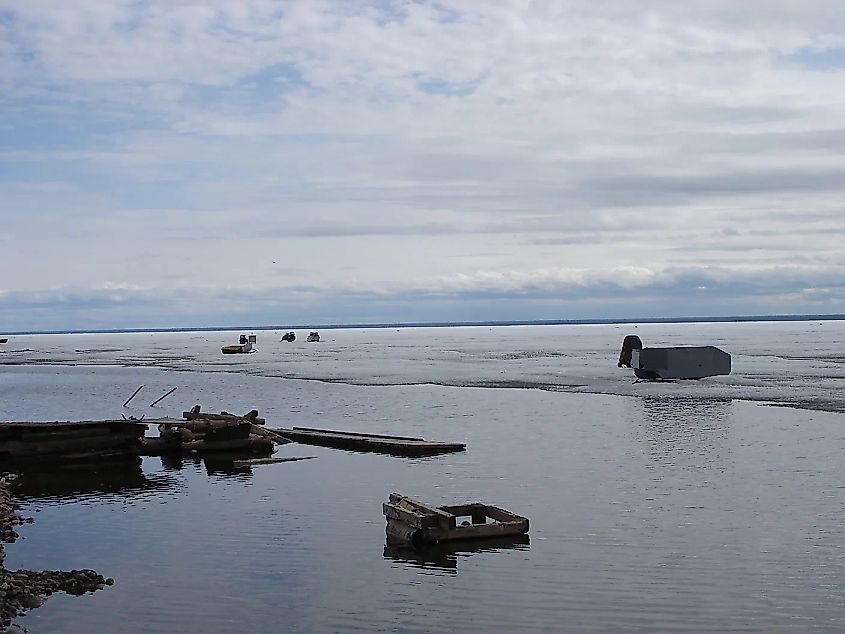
(393, 445)
(413, 522)
(66, 440)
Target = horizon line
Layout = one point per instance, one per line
(448, 324)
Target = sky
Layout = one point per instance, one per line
(222, 163)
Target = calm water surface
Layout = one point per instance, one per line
(647, 513)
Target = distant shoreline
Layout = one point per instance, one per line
(448, 324)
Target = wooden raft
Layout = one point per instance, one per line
(393, 445)
(411, 521)
(206, 433)
(66, 441)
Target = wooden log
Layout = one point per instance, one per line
(188, 416)
(257, 461)
(160, 446)
(401, 532)
(159, 400)
(199, 426)
(134, 394)
(275, 436)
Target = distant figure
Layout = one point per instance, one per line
(289, 336)
(242, 339)
(313, 336)
(629, 343)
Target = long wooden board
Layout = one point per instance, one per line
(393, 445)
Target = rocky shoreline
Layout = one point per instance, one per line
(22, 590)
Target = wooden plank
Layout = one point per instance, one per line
(475, 531)
(501, 515)
(409, 517)
(444, 519)
(352, 433)
(7, 425)
(408, 448)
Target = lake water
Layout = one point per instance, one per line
(690, 506)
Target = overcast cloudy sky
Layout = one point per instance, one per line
(260, 162)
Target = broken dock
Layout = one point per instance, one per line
(393, 445)
(70, 441)
(410, 521)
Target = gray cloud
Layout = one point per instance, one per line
(443, 159)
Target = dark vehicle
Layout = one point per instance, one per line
(629, 344)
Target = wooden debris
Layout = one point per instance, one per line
(272, 434)
(196, 414)
(134, 394)
(393, 445)
(53, 441)
(257, 461)
(413, 522)
(207, 433)
(159, 400)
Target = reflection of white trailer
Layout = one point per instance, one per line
(683, 362)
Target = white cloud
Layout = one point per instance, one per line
(449, 147)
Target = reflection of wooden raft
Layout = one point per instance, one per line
(414, 522)
(394, 445)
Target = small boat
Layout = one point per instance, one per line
(244, 346)
(313, 336)
(289, 336)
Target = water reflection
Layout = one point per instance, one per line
(445, 556)
(220, 464)
(678, 427)
(72, 483)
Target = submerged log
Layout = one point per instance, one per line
(257, 461)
